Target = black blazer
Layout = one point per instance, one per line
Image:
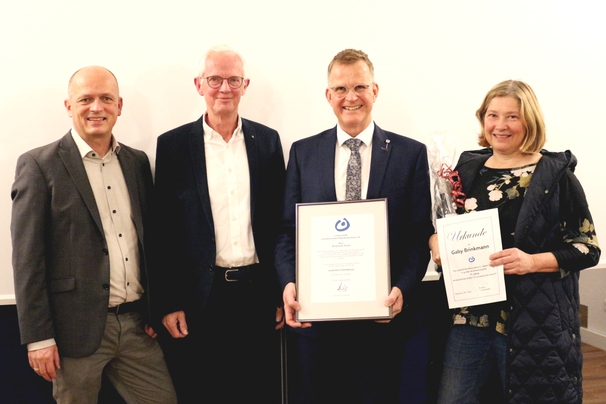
(399, 172)
(185, 230)
(60, 256)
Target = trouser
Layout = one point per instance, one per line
(132, 360)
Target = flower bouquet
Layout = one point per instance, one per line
(447, 190)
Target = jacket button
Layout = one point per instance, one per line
(211, 268)
(105, 286)
(105, 251)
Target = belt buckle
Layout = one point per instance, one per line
(230, 270)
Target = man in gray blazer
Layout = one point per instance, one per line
(78, 228)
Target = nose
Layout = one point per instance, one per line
(96, 105)
(225, 86)
(351, 95)
(501, 122)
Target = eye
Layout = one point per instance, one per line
(339, 89)
(214, 80)
(360, 88)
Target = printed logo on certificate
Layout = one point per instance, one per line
(466, 241)
(342, 260)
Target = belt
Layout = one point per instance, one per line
(239, 274)
(125, 307)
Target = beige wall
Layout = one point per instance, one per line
(434, 63)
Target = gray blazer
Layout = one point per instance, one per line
(60, 255)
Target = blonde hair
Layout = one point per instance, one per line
(349, 57)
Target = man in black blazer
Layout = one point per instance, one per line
(80, 209)
(219, 182)
(356, 361)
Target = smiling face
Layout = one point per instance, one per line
(94, 103)
(354, 111)
(223, 101)
(504, 127)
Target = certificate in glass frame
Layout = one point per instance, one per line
(343, 270)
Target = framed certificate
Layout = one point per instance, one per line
(343, 260)
(466, 242)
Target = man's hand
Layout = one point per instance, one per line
(45, 362)
(279, 318)
(150, 331)
(395, 300)
(291, 306)
(175, 324)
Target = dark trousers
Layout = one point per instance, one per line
(232, 352)
(345, 362)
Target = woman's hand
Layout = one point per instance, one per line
(435, 250)
(517, 262)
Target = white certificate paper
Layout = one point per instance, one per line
(466, 241)
(343, 260)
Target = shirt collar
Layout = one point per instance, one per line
(208, 131)
(84, 148)
(365, 136)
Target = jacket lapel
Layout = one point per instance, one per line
(326, 165)
(252, 154)
(381, 151)
(70, 156)
(198, 161)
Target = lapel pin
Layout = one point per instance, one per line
(386, 148)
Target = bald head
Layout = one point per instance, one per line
(90, 71)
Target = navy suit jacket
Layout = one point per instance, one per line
(185, 223)
(399, 172)
(60, 256)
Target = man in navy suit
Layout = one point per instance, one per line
(356, 361)
(219, 183)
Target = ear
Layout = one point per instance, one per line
(120, 103)
(244, 86)
(375, 91)
(68, 107)
(198, 84)
(328, 95)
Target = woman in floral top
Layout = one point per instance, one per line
(533, 338)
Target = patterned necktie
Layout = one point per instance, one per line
(353, 188)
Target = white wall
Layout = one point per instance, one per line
(434, 62)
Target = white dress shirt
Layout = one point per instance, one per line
(229, 188)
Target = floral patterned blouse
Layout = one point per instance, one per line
(503, 189)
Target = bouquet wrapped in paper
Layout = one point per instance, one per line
(446, 185)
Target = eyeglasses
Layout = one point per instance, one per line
(342, 91)
(217, 81)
